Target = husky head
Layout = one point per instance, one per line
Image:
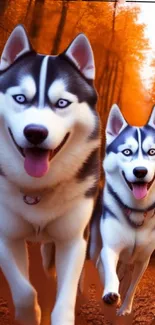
(47, 106)
(130, 158)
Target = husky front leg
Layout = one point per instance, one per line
(14, 264)
(109, 259)
(138, 272)
(70, 256)
(114, 242)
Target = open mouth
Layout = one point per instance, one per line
(139, 189)
(37, 159)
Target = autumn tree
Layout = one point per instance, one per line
(118, 48)
(60, 28)
(151, 85)
(117, 39)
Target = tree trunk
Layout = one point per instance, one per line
(60, 28)
(112, 86)
(108, 83)
(37, 17)
(106, 74)
(121, 87)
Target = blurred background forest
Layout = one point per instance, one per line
(118, 40)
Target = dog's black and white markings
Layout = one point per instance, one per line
(122, 138)
(49, 150)
(1, 172)
(128, 220)
(108, 212)
(91, 167)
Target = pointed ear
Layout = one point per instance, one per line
(151, 120)
(80, 52)
(16, 45)
(115, 124)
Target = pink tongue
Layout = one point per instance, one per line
(36, 162)
(139, 191)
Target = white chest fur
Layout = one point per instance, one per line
(17, 218)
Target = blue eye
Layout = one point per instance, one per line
(62, 103)
(20, 99)
(151, 152)
(127, 152)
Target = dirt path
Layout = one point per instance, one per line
(90, 310)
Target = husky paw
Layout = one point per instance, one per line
(28, 316)
(122, 311)
(111, 298)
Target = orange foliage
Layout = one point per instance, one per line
(118, 42)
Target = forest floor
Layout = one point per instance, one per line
(90, 309)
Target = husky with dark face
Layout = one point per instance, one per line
(127, 224)
(49, 160)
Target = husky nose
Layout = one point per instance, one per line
(35, 134)
(140, 172)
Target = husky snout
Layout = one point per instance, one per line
(35, 134)
(140, 172)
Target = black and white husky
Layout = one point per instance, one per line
(127, 225)
(49, 167)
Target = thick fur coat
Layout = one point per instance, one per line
(49, 167)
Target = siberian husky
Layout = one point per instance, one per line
(49, 167)
(127, 224)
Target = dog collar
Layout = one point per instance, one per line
(124, 206)
(31, 200)
(129, 211)
(146, 214)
